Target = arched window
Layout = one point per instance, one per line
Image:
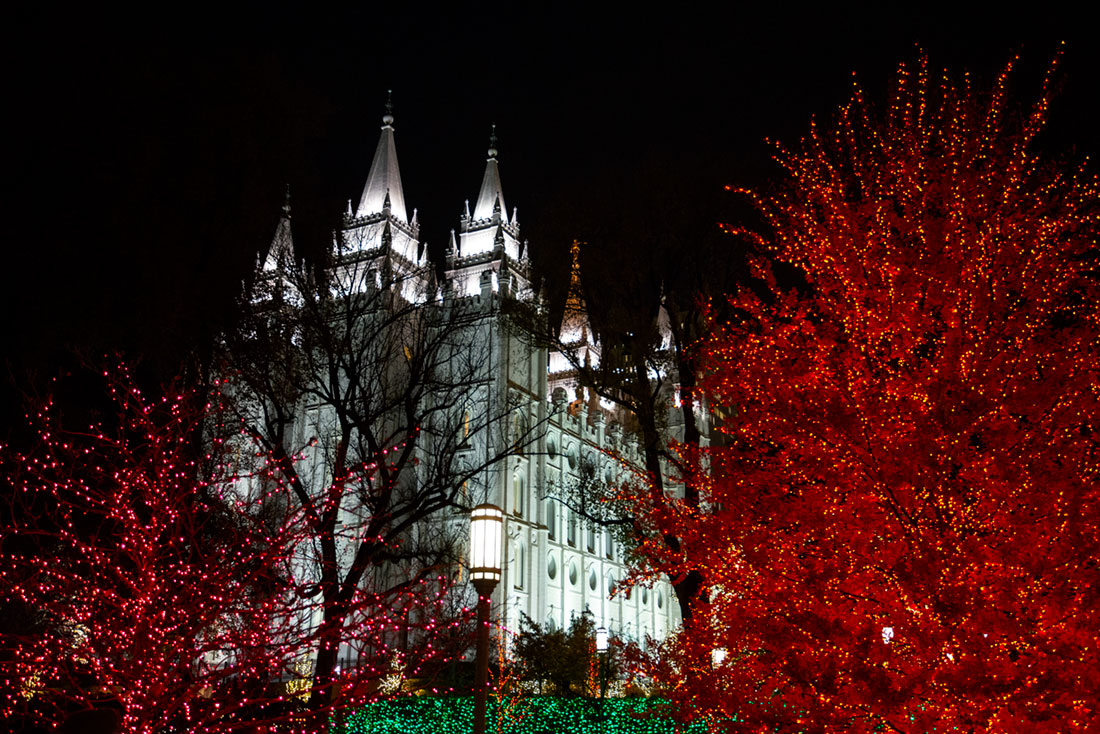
(519, 572)
(519, 434)
(518, 498)
(551, 519)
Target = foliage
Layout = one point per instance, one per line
(141, 588)
(454, 715)
(564, 660)
(902, 532)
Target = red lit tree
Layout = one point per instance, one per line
(141, 587)
(901, 534)
(136, 573)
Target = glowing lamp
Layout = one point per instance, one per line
(486, 533)
(717, 657)
(601, 640)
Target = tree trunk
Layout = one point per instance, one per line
(687, 588)
(328, 651)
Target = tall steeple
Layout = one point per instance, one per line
(383, 189)
(489, 230)
(275, 270)
(488, 244)
(491, 197)
(280, 255)
(381, 221)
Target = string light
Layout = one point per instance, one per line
(165, 592)
(454, 715)
(912, 445)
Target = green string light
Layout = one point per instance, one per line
(533, 715)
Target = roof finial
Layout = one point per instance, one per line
(387, 119)
(493, 142)
(286, 200)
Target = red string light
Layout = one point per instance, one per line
(152, 584)
(901, 532)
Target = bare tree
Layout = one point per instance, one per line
(367, 389)
(652, 256)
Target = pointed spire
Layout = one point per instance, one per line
(384, 179)
(491, 195)
(281, 252)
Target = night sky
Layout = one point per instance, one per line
(149, 154)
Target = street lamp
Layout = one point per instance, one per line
(601, 650)
(601, 640)
(486, 533)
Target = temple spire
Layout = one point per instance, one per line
(280, 254)
(492, 195)
(384, 180)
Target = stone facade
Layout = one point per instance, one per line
(556, 566)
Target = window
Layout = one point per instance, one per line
(572, 529)
(591, 539)
(517, 494)
(552, 567)
(551, 520)
(519, 575)
(608, 545)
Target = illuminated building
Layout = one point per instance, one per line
(556, 566)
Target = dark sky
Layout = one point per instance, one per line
(148, 153)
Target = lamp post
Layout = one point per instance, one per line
(601, 651)
(486, 534)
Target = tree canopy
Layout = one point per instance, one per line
(901, 532)
(129, 580)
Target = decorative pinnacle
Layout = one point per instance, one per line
(387, 119)
(493, 142)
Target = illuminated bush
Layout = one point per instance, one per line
(535, 715)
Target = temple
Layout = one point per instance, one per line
(556, 564)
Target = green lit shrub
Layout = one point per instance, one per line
(546, 715)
